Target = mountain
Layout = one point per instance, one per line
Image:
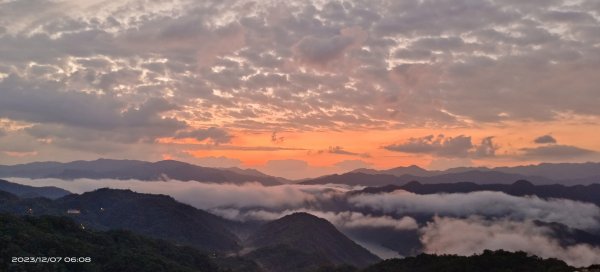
(412, 170)
(25, 191)
(480, 177)
(301, 241)
(558, 171)
(356, 178)
(156, 216)
(131, 169)
(57, 169)
(255, 173)
(50, 236)
(584, 193)
(543, 173)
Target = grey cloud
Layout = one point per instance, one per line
(545, 139)
(214, 134)
(46, 103)
(556, 152)
(440, 145)
(414, 54)
(322, 50)
(487, 148)
(441, 44)
(568, 17)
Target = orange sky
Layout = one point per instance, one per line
(509, 137)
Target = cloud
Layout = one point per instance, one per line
(276, 139)
(461, 223)
(487, 148)
(110, 49)
(340, 151)
(214, 134)
(95, 68)
(556, 152)
(322, 50)
(460, 146)
(490, 204)
(440, 145)
(207, 195)
(344, 220)
(545, 139)
(473, 235)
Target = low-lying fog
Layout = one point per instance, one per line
(463, 223)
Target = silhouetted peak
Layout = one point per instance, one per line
(301, 216)
(523, 183)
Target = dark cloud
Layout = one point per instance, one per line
(545, 139)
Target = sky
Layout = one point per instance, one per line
(301, 88)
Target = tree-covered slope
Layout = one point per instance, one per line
(49, 236)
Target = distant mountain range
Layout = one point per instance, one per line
(584, 193)
(131, 169)
(544, 173)
(23, 191)
(480, 177)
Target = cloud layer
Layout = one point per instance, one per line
(490, 204)
(446, 223)
(473, 235)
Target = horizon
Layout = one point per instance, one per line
(331, 172)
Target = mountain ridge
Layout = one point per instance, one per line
(133, 169)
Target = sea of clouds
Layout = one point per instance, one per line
(460, 223)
